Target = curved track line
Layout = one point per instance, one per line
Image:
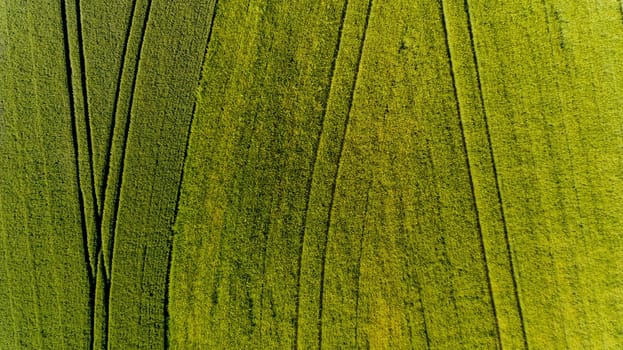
(337, 172)
(115, 110)
(89, 136)
(495, 174)
(113, 227)
(179, 189)
(313, 172)
(81, 200)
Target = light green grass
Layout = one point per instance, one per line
(444, 204)
(332, 174)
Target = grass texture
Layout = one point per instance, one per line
(334, 174)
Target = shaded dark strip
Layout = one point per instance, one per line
(495, 174)
(74, 132)
(469, 167)
(336, 50)
(336, 174)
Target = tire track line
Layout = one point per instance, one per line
(118, 124)
(74, 131)
(119, 176)
(81, 200)
(495, 174)
(84, 154)
(115, 109)
(89, 136)
(118, 187)
(313, 172)
(94, 196)
(337, 172)
(441, 4)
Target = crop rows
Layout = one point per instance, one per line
(82, 168)
(399, 176)
(339, 174)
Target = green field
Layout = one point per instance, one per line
(288, 174)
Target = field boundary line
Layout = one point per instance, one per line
(495, 174)
(337, 171)
(166, 301)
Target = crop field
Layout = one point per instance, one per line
(290, 174)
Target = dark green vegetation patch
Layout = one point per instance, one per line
(256, 174)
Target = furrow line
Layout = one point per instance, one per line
(469, 168)
(313, 172)
(337, 173)
(495, 174)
